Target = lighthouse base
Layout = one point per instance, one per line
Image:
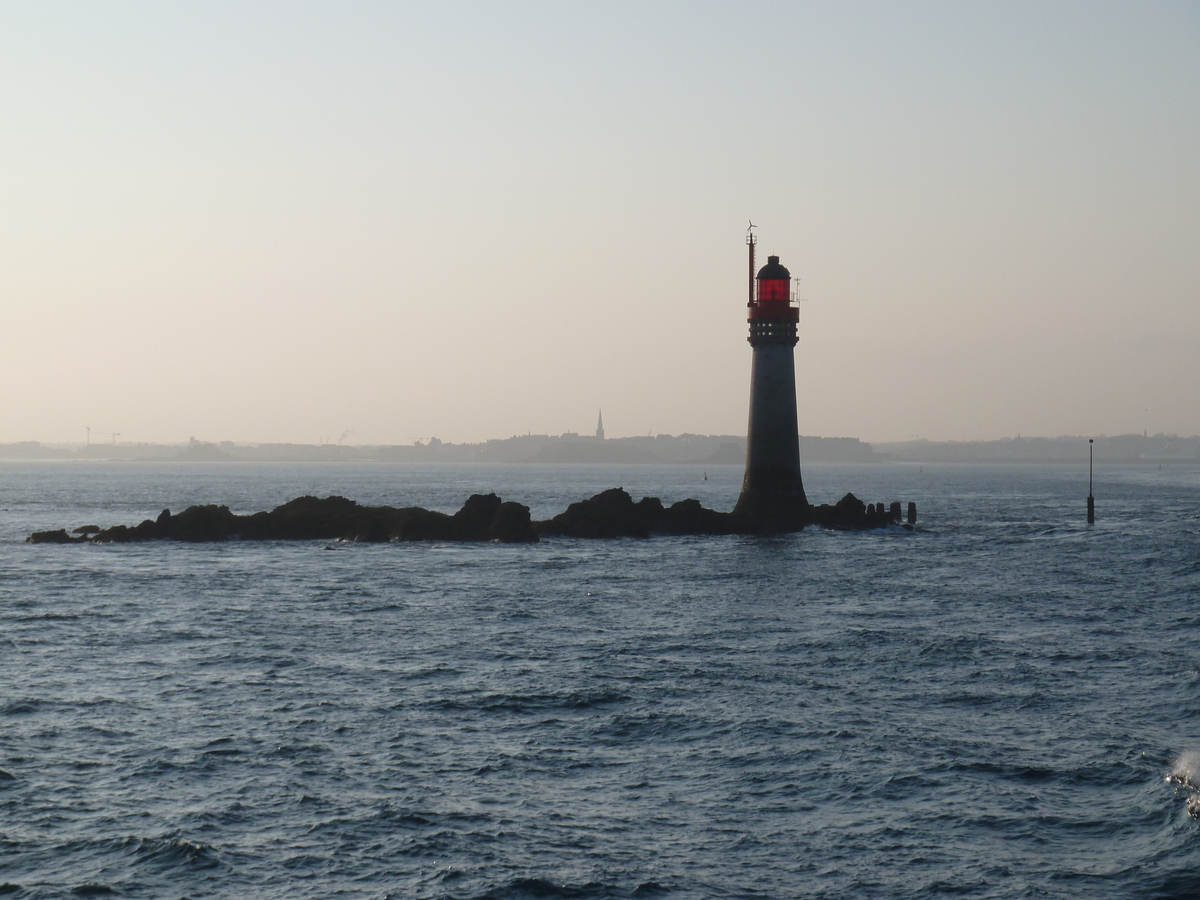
(772, 496)
(773, 501)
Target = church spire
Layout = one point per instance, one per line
(600, 426)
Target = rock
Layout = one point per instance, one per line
(484, 517)
(53, 537)
(416, 524)
(118, 534)
(305, 519)
(614, 514)
(689, 517)
(122, 534)
(511, 525)
(650, 508)
(197, 524)
(847, 514)
(609, 514)
(471, 523)
(851, 514)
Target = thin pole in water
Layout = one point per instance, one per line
(1091, 499)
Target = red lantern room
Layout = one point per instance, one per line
(774, 299)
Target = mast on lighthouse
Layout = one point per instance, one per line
(772, 489)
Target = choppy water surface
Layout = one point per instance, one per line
(1002, 704)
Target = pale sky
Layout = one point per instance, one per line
(294, 221)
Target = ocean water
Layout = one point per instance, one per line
(1004, 703)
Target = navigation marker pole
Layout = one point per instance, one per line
(1091, 499)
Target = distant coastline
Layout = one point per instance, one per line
(689, 449)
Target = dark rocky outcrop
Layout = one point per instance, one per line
(851, 514)
(614, 514)
(609, 514)
(54, 537)
(484, 517)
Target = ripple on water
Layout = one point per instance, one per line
(976, 709)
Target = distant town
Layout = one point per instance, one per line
(693, 449)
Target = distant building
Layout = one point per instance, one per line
(600, 426)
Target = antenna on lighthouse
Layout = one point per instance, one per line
(751, 240)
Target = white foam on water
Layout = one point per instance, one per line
(1186, 774)
(1186, 771)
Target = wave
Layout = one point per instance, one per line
(529, 702)
(1186, 774)
(539, 888)
(20, 707)
(93, 889)
(163, 853)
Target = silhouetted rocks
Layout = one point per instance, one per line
(484, 517)
(614, 514)
(607, 515)
(54, 537)
(851, 514)
(689, 517)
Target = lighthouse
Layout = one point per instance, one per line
(772, 490)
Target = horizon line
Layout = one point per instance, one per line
(425, 442)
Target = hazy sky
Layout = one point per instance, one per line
(292, 221)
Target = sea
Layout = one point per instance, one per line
(1002, 703)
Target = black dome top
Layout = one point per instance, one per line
(773, 270)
